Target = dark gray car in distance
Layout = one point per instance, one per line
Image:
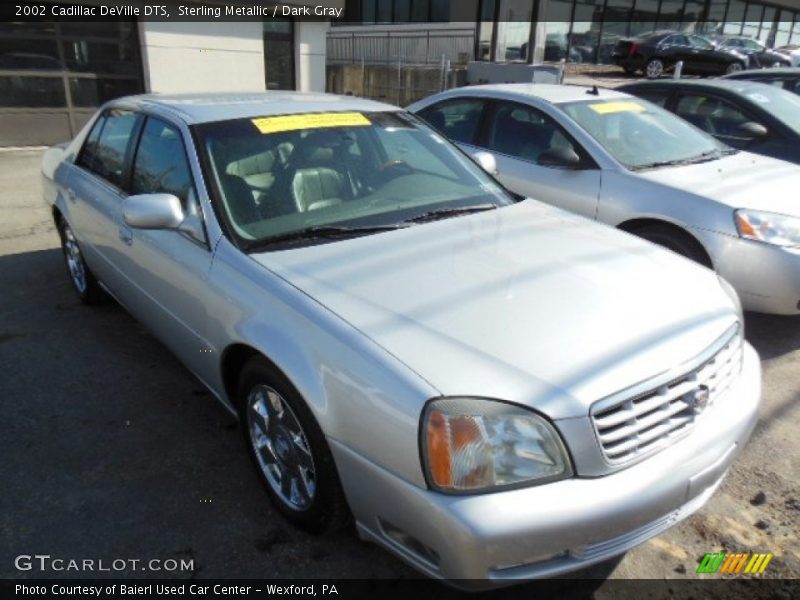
(758, 54)
(743, 114)
(787, 78)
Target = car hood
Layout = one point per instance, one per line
(526, 303)
(741, 180)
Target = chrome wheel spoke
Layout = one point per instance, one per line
(281, 447)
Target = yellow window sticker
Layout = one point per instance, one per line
(605, 108)
(310, 121)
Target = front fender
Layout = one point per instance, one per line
(362, 396)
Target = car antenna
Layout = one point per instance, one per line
(594, 91)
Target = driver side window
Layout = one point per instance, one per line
(160, 165)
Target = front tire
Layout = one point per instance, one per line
(289, 450)
(654, 68)
(676, 240)
(80, 275)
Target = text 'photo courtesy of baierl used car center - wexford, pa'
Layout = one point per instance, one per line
(392, 298)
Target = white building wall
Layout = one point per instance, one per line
(204, 56)
(309, 55)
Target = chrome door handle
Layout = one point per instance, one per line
(126, 235)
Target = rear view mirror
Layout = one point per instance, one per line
(152, 211)
(486, 161)
(562, 157)
(752, 129)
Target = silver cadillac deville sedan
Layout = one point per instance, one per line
(492, 389)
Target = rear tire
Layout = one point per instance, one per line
(289, 450)
(80, 275)
(676, 240)
(654, 68)
(734, 67)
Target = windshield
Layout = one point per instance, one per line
(782, 104)
(353, 173)
(640, 134)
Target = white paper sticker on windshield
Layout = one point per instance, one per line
(310, 121)
(605, 108)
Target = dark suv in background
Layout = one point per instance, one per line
(656, 53)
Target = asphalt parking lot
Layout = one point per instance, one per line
(111, 449)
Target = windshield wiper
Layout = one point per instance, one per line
(443, 213)
(707, 156)
(321, 231)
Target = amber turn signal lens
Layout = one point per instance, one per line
(745, 228)
(439, 457)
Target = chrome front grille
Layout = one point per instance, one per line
(644, 422)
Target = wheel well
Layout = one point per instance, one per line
(57, 216)
(233, 360)
(636, 225)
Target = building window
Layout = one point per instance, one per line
(734, 18)
(60, 73)
(752, 20)
(784, 30)
(645, 17)
(420, 11)
(558, 17)
(279, 54)
(584, 38)
(514, 30)
(486, 30)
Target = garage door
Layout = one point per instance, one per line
(54, 75)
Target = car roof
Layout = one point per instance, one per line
(795, 71)
(209, 107)
(552, 93)
(734, 85)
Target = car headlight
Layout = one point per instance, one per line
(473, 445)
(770, 228)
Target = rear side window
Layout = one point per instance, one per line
(161, 165)
(112, 147)
(525, 133)
(456, 119)
(86, 158)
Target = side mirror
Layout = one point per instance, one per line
(752, 129)
(486, 161)
(152, 211)
(565, 158)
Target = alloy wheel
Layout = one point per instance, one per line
(655, 68)
(75, 264)
(281, 448)
(734, 68)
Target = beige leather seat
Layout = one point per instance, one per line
(318, 184)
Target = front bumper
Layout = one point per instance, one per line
(766, 277)
(493, 539)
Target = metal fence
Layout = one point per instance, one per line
(422, 47)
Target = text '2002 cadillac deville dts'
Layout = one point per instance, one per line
(494, 389)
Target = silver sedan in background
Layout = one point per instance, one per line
(494, 389)
(626, 162)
